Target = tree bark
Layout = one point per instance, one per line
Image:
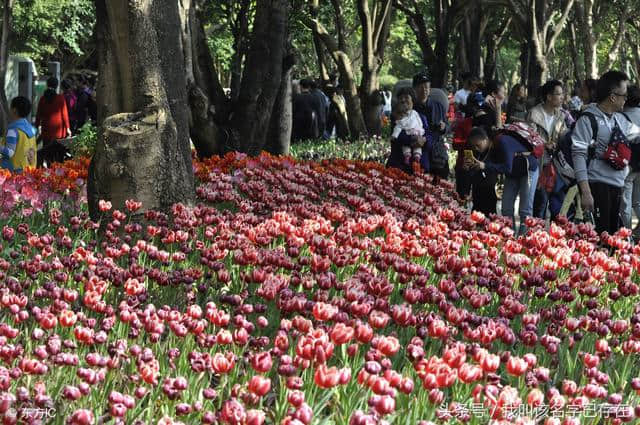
(207, 101)
(578, 68)
(584, 13)
(436, 54)
(4, 58)
(493, 42)
(375, 32)
(473, 28)
(322, 65)
(261, 79)
(338, 51)
(612, 56)
(240, 30)
(282, 117)
(542, 21)
(143, 150)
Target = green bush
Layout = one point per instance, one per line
(85, 140)
(388, 80)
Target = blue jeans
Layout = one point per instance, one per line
(553, 200)
(523, 187)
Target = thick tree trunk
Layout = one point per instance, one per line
(240, 36)
(584, 13)
(375, 32)
(4, 58)
(282, 118)
(474, 25)
(539, 72)
(261, 78)
(463, 63)
(440, 68)
(207, 101)
(143, 150)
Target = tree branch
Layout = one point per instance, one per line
(557, 29)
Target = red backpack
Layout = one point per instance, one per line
(526, 135)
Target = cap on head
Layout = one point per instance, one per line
(421, 78)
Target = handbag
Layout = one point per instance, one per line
(547, 179)
(618, 153)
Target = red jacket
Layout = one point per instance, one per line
(53, 117)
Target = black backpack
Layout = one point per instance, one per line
(563, 158)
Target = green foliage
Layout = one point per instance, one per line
(403, 58)
(371, 149)
(84, 143)
(53, 30)
(388, 80)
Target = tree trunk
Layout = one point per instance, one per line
(375, 32)
(261, 79)
(473, 29)
(493, 40)
(525, 53)
(578, 68)
(143, 150)
(240, 35)
(207, 102)
(322, 65)
(337, 50)
(612, 56)
(445, 14)
(4, 58)
(282, 118)
(440, 68)
(584, 13)
(539, 72)
(463, 63)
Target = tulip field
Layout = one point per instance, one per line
(294, 292)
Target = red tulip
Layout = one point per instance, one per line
(233, 413)
(255, 417)
(388, 345)
(341, 334)
(259, 385)
(261, 362)
(325, 377)
(323, 311)
(81, 417)
(516, 366)
(223, 363)
(469, 373)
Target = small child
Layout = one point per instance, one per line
(409, 121)
(18, 149)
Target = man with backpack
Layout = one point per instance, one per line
(600, 151)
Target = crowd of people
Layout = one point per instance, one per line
(58, 116)
(588, 165)
(61, 115)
